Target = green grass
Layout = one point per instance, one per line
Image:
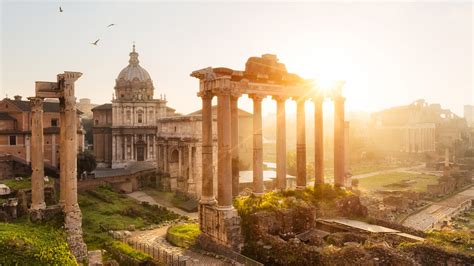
(104, 209)
(384, 182)
(128, 250)
(25, 183)
(456, 241)
(33, 244)
(277, 200)
(186, 233)
(468, 224)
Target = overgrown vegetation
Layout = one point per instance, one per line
(183, 235)
(24, 183)
(86, 162)
(129, 251)
(459, 240)
(103, 210)
(322, 194)
(28, 244)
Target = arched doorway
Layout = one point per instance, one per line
(141, 149)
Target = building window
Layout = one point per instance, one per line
(140, 117)
(174, 156)
(54, 122)
(12, 140)
(96, 122)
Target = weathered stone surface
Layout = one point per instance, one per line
(220, 226)
(73, 226)
(351, 206)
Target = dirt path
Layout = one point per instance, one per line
(157, 238)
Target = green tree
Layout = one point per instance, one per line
(87, 124)
(85, 162)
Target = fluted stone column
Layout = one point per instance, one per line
(318, 141)
(37, 156)
(339, 141)
(234, 109)
(346, 152)
(281, 143)
(70, 144)
(300, 144)
(207, 195)
(62, 154)
(257, 145)
(224, 156)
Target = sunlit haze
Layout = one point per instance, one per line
(392, 52)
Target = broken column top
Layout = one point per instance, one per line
(264, 69)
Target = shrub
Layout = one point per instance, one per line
(27, 244)
(183, 235)
(271, 201)
(129, 251)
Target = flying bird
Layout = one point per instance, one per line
(95, 43)
(110, 25)
(60, 9)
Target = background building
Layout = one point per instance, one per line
(125, 131)
(417, 128)
(15, 130)
(85, 106)
(136, 127)
(469, 115)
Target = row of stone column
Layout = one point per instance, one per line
(68, 153)
(227, 130)
(420, 139)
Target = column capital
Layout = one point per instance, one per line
(205, 94)
(36, 103)
(257, 97)
(300, 99)
(318, 99)
(338, 98)
(279, 98)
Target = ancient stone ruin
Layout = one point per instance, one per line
(263, 76)
(63, 90)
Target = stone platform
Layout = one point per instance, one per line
(220, 226)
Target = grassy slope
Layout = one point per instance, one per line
(103, 210)
(25, 183)
(23, 243)
(379, 182)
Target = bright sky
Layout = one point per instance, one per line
(388, 53)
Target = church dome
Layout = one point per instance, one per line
(134, 70)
